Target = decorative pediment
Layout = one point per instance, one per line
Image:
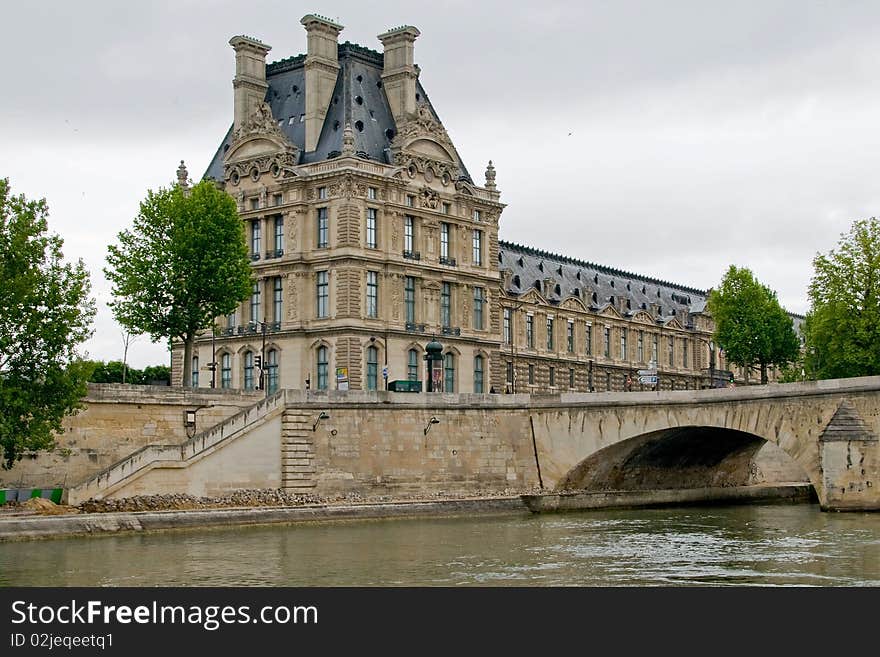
(673, 324)
(573, 303)
(422, 124)
(259, 146)
(532, 296)
(643, 317)
(608, 310)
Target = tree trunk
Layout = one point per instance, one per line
(763, 373)
(188, 342)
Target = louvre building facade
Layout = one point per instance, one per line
(370, 238)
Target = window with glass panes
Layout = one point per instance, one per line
(570, 337)
(684, 352)
(412, 365)
(277, 299)
(322, 294)
(226, 371)
(279, 235)
(552, 376)
(372, 368)
(607, 345)
(588, 339)
(255, 303)
(409, 299)
(531, 375)
(249, 370)
(255, 238)
(372, 294)
(530, 331)
(671, 349)
(371, 228)
(478, 373)
(654, 348)
(272, 371)
(195, 372)
(478, 247)
(549, 333)
(641, 347)
(623, 336)
(445, 304)
(449, 373)
(479, 302)
(409, 231)
(444, 240)
(506, 325)
(322, 366)
(323, 229)
(571, 378)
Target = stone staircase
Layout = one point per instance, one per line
(298, 451)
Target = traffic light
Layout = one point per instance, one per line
(258, 361)
(731, 377)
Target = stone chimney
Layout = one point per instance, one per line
(250, 76)
(399, 74)
(321, 69)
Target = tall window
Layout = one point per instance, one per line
(277, 298)
(409, 299)
(322, 289)
(552, 376)
(506, 325)
(641, 347)
(478, 373)
(226, 371)
(654, 348)
(509, 373)
(249, 370)
(445, 304)
(550, 333)
(671, 346)
(444, 240)
(478, 216)
(195, 372)
(588, 337)
(371, 228)
(410, 201)
(607, 345)
(531, 375)
(530, 331)
(272, 371)
(255, 238)
(322, 193)
(684, 352)
(478, 247)
(623, 343)
(230, 320)
(323, 229)
(479, 302)
(279, 235)
(570, 337)
(372, 368)
(449, 373)
(371, 193)
(608, 381)
(372, 294)
(255, 303)
(277, 199)
(412, 365)
(409, 231)
(571, 378)
(322, 367)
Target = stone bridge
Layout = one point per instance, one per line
(396, 443)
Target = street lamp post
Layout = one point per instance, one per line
(264, 325)
(711, 345)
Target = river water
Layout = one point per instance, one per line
(715, 546)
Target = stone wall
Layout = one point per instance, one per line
(119, 419)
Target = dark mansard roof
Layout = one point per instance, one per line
(358, 99)
(596, 286)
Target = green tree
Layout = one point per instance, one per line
(750, 325)
(45, 312)
(183, 263)
(842, 329)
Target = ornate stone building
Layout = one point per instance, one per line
(369, 237)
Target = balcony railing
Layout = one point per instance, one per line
(447, 261)
(277, 253)
(451, 330)
(412, 327)
(412, 255)
(255, 256)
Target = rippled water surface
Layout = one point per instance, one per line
(717, 546)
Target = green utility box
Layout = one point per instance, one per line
(405, 386)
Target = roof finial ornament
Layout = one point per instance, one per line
(490, 176)
(182, 177)
(348, 140)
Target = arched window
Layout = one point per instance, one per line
(478, 374)
(372, 368)
(249, 370)
(272, 371)
(226, 371)
(412, 367)
(449, 373)
(195, 372)
(322, 368)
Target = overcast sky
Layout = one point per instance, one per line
(670, 139)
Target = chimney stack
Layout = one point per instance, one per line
(321, 69)
(250, 76)
(399, 74)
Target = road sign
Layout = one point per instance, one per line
(648, 380)
(650, 372)
(385, 372)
